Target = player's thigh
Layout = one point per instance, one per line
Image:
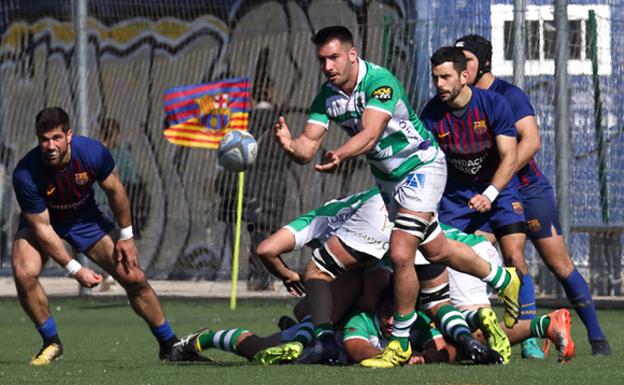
(102, 253)
(334, 258)
(419, 191)
(27, 259)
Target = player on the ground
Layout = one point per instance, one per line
(536, 193)
(339, 227)
(54, 187)
(370, 104)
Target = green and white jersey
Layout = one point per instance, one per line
(367, 326)
(404, 145)
(459, 236)
(367, 228)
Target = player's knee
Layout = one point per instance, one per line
(24, 274)
(133, 282)
(432, 298)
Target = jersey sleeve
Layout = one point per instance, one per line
(318, 111)
(383, 92)
(101, 159)
(27, 192)
(358, 327)
(520, 104)
(504, 122)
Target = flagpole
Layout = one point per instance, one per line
(239, 219)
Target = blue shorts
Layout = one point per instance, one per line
(83, 233)
(506, 209)
(540, 209)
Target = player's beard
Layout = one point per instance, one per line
(59, 158)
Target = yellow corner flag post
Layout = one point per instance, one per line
(239, 220)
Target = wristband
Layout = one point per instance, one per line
(72, 267)
(491, 192)
(126, 233)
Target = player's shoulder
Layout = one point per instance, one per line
(510, 91)
(433, 110)
(87, 147)
(29, 164)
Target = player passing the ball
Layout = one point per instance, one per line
(369, 103)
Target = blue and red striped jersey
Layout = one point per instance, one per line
(67, 194)
(520, 107)
(468, 136)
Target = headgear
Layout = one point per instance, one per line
(481, 48)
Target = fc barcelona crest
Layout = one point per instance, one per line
(534, 225)
(214, 111)
(81, 178)
(479, 126)
(517, 207)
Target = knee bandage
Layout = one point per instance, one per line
(411, 224)
(430, 297)
(327, 262)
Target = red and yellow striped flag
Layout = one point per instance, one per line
(200, 115)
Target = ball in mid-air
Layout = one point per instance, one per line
(237, 150)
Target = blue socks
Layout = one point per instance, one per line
(48, 330)
(528, 309)
(580, 296)
(163, 333)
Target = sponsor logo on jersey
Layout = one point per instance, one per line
(479, 126)
(468, 166)
(50, 190)
(517, 207)
(416, 180)
(534, 225)
(383, 93)
(81, 178)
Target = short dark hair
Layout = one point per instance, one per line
(449, 54)
(327, 34)
(51, 117)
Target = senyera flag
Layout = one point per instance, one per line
(200, 115)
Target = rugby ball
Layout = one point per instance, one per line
(237, 150)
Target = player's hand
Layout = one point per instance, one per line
(294, 285)
(126, 254)
(480, 203)
(283, 135)
(87, 277)
(331, 161)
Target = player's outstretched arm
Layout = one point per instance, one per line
(125, 248)
(302, 148)
(52, 245)
(529, 140)
(373, 124)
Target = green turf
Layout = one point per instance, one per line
(105, 343)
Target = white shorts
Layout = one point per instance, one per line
(466, 289)
(420, 190)
(360, 221)
(469, 290)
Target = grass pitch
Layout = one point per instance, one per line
(106, 343)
